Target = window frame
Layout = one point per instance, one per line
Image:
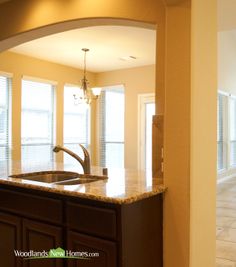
(87, 144)
(226, 132)
(52, 114)
(8, 144)
(101, 142)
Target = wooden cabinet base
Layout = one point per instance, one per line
(10, 240)
(128, 235)
(102, 252)
(41, 237)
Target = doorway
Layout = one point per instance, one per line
(146, 110)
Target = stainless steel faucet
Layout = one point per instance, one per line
(84, 163)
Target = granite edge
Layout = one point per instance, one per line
(125, 200)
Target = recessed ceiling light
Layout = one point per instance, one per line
(127, 58)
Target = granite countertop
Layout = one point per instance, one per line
(122, 187)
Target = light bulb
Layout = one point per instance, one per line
(96, 90)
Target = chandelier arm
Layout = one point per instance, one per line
(87, 95)
(85, 64)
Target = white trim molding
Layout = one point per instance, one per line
(143, 99)
(40, 80)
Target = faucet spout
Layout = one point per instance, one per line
(85, 163)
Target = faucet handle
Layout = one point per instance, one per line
(105, 171)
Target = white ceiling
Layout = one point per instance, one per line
(107, 45)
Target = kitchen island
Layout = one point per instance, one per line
(118, 219)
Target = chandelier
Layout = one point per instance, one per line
(86, 94)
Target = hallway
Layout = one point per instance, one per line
(226, 224)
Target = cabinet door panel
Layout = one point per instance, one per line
(31, 205)
(10, 239)
(82, 218)
(83, 243)
(40, 237)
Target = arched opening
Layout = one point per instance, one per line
(130, 79)
(66, 26)
(175, 38)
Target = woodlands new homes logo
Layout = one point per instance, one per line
(58, 253)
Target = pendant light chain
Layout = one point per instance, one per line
(85, 50)
(87, 93)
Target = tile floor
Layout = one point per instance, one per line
(226, 224)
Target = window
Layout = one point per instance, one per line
(5, 89)
(226, 131)
(232, 123)
(37, 121)
(76, 124)
(221, 109)
(111, 125)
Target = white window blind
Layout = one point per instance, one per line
(5, 89)
(76, 124)
(37, 121)
(111, 126)
(232, 126)
(221, 151)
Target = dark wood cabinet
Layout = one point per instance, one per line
(124, 235)
(92, 220)
(10, 240)
(103, 251)
(39, 237)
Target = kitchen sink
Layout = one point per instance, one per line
(78, 181)
(59, 177)
(47, 176)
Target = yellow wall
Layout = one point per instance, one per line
(188, 100)
(136, 81)
(203, 133)
(177, 137)
(20, 65)
(32, 17)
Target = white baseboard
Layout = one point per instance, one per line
(225, 178)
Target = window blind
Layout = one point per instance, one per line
(37, 123)
(5, 89)
(76, 124)
(232, 126)
(111, 127)
(221, 148)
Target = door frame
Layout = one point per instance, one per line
(143, 99)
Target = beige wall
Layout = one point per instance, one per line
(189, 173)
(136, 81)
(177, 137)
(227, 61)
(203, 133)
(32, 17)
(190, 134)
(20, 65)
